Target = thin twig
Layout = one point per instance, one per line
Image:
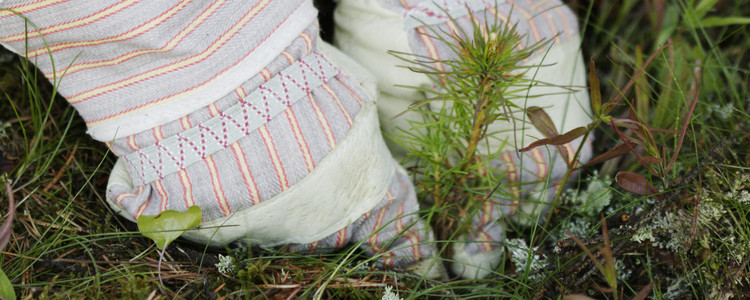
(59, 173)
(7, 227)
(53, 225)
(161, 258)
(292, 294)
(279, 286)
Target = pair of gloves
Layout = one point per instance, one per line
(237, 107)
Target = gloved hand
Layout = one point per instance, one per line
(367, 29)
(233, 106)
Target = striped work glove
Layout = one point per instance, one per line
(234, 106)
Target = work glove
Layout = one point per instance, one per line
(233, 106)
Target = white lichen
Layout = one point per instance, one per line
(676, 226)
(519, 255)
(710, 210)
(388, 295)
(643, 234)
(679, 289)
(597, 195)
(723, 111)
(225, 264)
(667, 231)
(576, 226)
(744, 197)
(623, 272)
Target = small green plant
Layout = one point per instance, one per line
(134, 287)
(633, 131)
(255, 272)
(167, 226)
(475, 90)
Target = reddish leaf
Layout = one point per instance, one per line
(630, 141)
(542, 121)
(565, 153)
(651, 159)
(634, 116)
(628, 125)
(559, 139)
(631, 124)
(618, 150)
(634, 183)
(603, 289)
(645, 291)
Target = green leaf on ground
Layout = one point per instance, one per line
(168, 225)
(6, 288)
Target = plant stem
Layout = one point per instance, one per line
(158, 267)
(565, 178)
(476, 129)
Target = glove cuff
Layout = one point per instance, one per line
(308, 211)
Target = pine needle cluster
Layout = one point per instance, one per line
(484, 83)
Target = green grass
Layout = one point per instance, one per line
(691, 241)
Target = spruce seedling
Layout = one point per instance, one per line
(451, 144)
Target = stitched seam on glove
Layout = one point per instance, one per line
(270, 99)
